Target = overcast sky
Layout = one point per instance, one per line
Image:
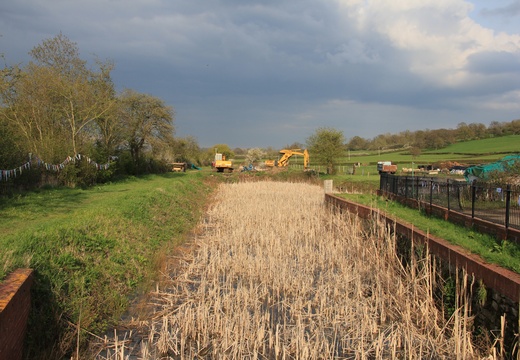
(269, 73)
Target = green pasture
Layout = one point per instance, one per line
(365, 162)
(492, 147)
(468, 152)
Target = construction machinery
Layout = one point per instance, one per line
(221, 164)
(270, 163)
(286, 155)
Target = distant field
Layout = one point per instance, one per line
(468, 152)
(499, 145)
(366, 175)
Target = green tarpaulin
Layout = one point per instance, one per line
(482, 171)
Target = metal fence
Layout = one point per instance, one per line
(497, 204)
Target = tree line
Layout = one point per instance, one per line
(59, 107)
(434, 139)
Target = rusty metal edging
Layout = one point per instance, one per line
(504, 281)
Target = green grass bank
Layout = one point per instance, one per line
(93, 250)
(505, 254)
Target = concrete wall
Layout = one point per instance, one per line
(15, 305)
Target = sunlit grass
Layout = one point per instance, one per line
(503, 253)
(92, 249)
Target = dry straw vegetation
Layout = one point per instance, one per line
(275, 274)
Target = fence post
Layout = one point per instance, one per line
(448, 192)
(327, 185)
(417, 188)
(508, 205)
(473, 197)
(458, 198)
(431, 194)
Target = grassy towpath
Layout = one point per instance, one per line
(93, 249)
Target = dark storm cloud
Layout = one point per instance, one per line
(268, 73)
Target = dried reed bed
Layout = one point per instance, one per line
(278, 275)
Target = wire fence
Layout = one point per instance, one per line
(499, 204)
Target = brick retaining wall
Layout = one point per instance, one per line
(15, 305)
(502, 280)
(502, 285)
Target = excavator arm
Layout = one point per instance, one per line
(287, 154)
(305, 159)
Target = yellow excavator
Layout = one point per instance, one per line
(286, 155)
(221, 164)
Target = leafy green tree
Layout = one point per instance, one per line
(239, 151)
(464, 132)
(109, 125)
(415, 152)
(380, 142)
(223, 149)
(29, 111)
(357, 143)
(295, 145)
(110, 135)
(437, 139)
(419, 139)
(513, 128)
(148, 125)
(10, 154)
(79, 96)
(326, 145)
(496, 128)
(55, 100)
(479, 130)
(407, 138)
(186, 150)
(271, 153)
